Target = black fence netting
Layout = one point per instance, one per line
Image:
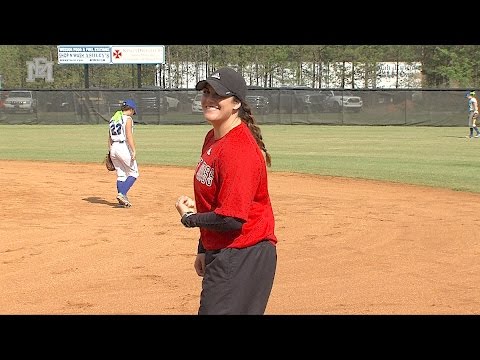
(291, 106)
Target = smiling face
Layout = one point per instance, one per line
(218, 109)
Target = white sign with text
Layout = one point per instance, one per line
(111, 54)
(129, 54)
(81, 54)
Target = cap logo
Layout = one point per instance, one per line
(216, 76)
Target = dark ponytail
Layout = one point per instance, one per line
(245, 113)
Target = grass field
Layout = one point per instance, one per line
(433, 156)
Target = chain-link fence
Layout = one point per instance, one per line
(270, 106)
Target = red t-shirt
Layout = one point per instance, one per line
(231, 180)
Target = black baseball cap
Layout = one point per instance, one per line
(226, 82)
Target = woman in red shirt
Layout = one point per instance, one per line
(237, 255)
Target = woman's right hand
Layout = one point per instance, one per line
(185, 204)
(199, 264)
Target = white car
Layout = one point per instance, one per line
(173, 103)
(344, 101)
(20, 101)
(197, 105)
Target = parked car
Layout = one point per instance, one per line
(197, 105)
(152, 102)
(259, 104)
(345, 101)
(312, 102)
(88, 102)
(258, 100)
(20, 101)
(300, 101)
(116, 98)
(57, 101)
(173, 103)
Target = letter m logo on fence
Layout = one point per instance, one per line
(40, 68)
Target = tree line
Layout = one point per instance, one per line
(442, 66)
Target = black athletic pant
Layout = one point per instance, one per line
(238, 281)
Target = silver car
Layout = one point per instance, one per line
(20, 101)
(343, 101)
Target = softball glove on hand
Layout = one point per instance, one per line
(109, 163)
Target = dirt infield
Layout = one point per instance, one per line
(345, 246)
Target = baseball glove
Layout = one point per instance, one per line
(108, 162)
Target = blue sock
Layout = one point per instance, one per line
(121, 186)
(128, 184)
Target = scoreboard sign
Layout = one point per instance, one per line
(110, 54)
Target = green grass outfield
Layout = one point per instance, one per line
(433, 156)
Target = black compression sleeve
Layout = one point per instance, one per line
(211, 221)
(200, 248)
